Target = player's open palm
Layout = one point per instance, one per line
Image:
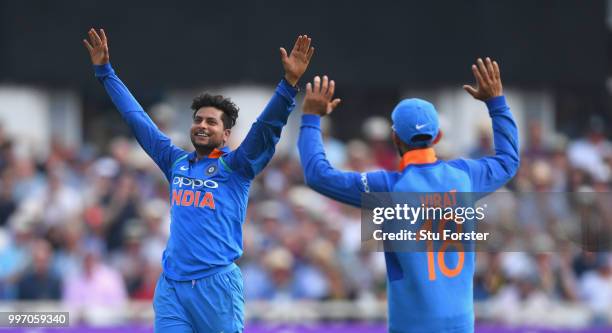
(297, 61)
(488, 81)
(319, 97)
(97, 46)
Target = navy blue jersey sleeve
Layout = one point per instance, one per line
(153, 141)
(320, 175)
(259, 145)
(492, 172)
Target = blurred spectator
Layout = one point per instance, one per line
(14, 256)
(68, 258)
(335, 150)
(488, 278)
(120, 151)
(156, 222)
(592, 152)
(596, 288)
(584, 262)
(257, 284)
(164, 115)
(359, 157)
(28, 179)
(485, 142)
(120, 206)
(538, 147)
(101, 176)
(145, 290)
(556, 279)
(6, 149)
(279, 264)
(377, 131)
(54, 204)
(97, 284)
(39, 282)
(8, 205)
(560, 171)
(129, 261)
(310, 281)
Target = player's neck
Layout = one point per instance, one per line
(200, 154)
(418, 156)
(205, 152)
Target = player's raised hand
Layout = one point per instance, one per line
(297, 61)
(97, 45)
(319, 97)
(488, 81)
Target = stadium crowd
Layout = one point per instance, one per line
(88, 228)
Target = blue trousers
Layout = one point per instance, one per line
(212, 304)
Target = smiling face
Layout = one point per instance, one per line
(207, 129)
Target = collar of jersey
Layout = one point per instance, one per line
(216, 153)
(418, 156)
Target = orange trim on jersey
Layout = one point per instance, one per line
(216, 153)
(418, 156)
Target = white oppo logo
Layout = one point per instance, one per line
(418, 127)
(194, 183)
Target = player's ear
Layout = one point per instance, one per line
(396, 139)
(438, 137)
(399, 144)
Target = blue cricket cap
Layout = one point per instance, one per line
(413, 117)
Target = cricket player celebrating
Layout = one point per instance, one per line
(200, 289)
(426, 293)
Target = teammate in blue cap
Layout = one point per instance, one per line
(426, 293)
(200, 289)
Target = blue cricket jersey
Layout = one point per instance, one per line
(423, 294)
(209, 196)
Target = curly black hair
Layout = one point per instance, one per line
(230, 110)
